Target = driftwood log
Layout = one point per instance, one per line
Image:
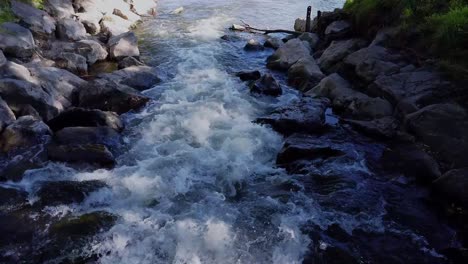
(247, 28)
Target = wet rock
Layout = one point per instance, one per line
(311, 38)
(70, 29)
(12, 199)
(305, 73)
(288, 54)
(144, 7)
(38, 20)
(337, 51)
(303, 147)
(16, 41)
(91, 50)
(72, 62)
(110, 96)
(338, 30)
(129, 62)
(138, 77)
(267, 85)
(25, 132)
(444, 128)
(90, 21)
(249, 76)
(274, 43)
(19, 163)
(124, 45)
(306, 116)
(6, 115)
(3, 59)
(84, 225)
(381, 128)
(113, 25)
(253, 45)
(453, 185)
(59, 8)
(411, 161)
(88, 135)
(80, 117)
(231, 38)
(66, 192)
(15, 230)
(347, 100)
(87, 153)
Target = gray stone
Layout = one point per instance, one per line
(90, 21)
(288, 54)
(55, 193)
(6, 115)
(337, 51)
(16, 41)
(273, 43)
(385, 127)
(138, 77)
(88, 153)
(80, 117)
(249, 76)
(38, 20)
(312, 38)
(453, 185)
(113, 25)
(266, 85)
(338, 30)
(124, 45)
(305, 73)
(129, 62)
(19, 32)
(59, 8)
(72, 62)
(68, 28)
(3, 60)
(92, 50)
(25, 132)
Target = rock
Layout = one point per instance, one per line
(22, 161)
(267, 85)
(110, 96)
(129, 62)
(68, 28)
(355, 103)
(385, 127)
(338, 30)
(84, 225)
(326, 19)
(249, 76)
(305, 73)
(87, 153)
(66, 192)
(453, 185)
(25, 132)
(370, 62)
(304, 147)
(3, 59)
(38, 20)
(16, 71)
(274, 43)
(59, 8)
(384, 37)
(16, 41)
(444, 128)
(80, 117)
(18, 93)
(138, 77)
(90, 21)
(72, 62)
(288, 54)
(300, 24)
(12, 199)
(91, 50)
(231, 38)
(124, 45)
(113, 25)
(305, 116)
(311, 38)
(88, 135)
(337, 51)
(144, 7)
(253, 45)
(6, 115)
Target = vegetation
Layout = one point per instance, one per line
(441, 25)
(6, 15)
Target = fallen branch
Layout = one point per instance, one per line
(247, 28)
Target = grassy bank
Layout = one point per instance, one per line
(6, 15)
(439, 28)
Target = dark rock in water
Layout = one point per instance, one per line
(274, 43)
(16, 41)
(80, 117)
(12, 199)
(137, 77)
(15, 229)
(249, 76)
(87, 153)
(253, 45)
(304, 147)
(231, 38)
(267, 85)
(83, 225)
(70, 29)
(66, 192)
(306, 116)
(25, 132)
(124, 45)
(338, 30)
(129, 62)
(6, 115)
(452, 186)
(88, 135)
(337, 51)
(385, 127)
(110, 96)
(305, 73)
(17, 165)
(38, 21)
(411, 161)
(444, 128)
(288, 54)
(330, 255)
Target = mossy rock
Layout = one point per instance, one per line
(84, 225)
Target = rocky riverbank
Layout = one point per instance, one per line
(67, 71)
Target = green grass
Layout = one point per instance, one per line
(5, 12)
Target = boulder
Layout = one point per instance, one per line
(381, 128)
(16, 41)
(113, 25)
(249, 76)
(80, 117)
(88, 135)
(87, 153)
(138, 77)
(253, 45)
(6, 115)
(144, 7)
(453, 185)
(72, 62)
(55, 193)
(288, 54)
(3, 59)
(70, 29)
(274, 43)
(124, 45)
(300, 24)
(338, 30)
(92, 50)
(129, 62)
(305, 116)
(337, 51)
(350, 101)
(305, 73)
(444, 128)
(16, 71)
(90, 21)
(110, 96)
(267, 85)
(311, 38)
(60, 8)
(37, 20)
(25, 132)
(74, 227)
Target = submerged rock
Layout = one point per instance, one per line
(86, 153)
(80, 117)
(253, 45)
(66, 192)
(25, 132)
(274, 43)
(249, 76)
(267, 85)
(288, 54)
(83, 225)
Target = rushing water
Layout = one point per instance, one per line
(196, 181)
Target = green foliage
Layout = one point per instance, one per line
(5, 12)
